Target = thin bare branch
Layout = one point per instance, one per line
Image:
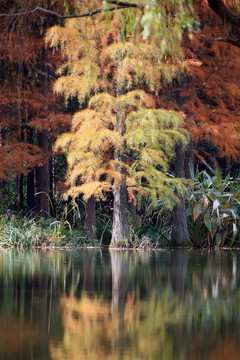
(38, 8)
(235, 42)
(89, 13)
(125, 4)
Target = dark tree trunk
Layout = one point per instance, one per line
(43, 172)
(43, 178)
(2, 185)
(31, 191)
(90, 219)
(31, 201)
(51, 187)
(180, 235)
(20, 192)
(230, 20)
(189, 160)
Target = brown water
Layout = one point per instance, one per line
(100, 304)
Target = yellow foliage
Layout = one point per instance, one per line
(80, 86)
(63, 142)
(119, 131)
(105, 103)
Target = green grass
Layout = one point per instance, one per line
(27, 232)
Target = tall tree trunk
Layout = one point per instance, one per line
(43, 172)
(20, 192)
(31, 201)
(43, 178)
(180, 235)
(51, 187)
(2, 185)
(120, 230)
(90, 218)
(31, 191)
(188, 160)
(19, 178)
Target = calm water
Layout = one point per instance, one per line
(100, 304)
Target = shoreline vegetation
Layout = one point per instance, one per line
(212, 209)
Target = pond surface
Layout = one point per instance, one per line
(101, 304)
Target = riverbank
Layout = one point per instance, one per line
(23, 232)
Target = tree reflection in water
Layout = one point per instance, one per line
(92, 304)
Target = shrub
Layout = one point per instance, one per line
(213, 209)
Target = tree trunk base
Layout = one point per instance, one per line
(120, 231)
(90, 219)
(180, 235)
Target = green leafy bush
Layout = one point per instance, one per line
(213, 210)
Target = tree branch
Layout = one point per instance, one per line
(231, 21)
(219, 8)
(125, 4)
(119, 5)
(229, 40)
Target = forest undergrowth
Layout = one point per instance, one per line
(212, 207)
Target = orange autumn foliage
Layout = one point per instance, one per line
(26, 73)
(210, 92)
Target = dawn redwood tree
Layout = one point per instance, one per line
(209, 97)
(28, 109)
(167, 34)
(207, 92)
(119, 142)
(75, 86)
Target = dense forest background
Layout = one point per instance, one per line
(120, 120)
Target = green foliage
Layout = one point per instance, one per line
(165, 28)
(27, 232)
(213, 210)
(9, 192)
(151, 135)
(20, 232)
